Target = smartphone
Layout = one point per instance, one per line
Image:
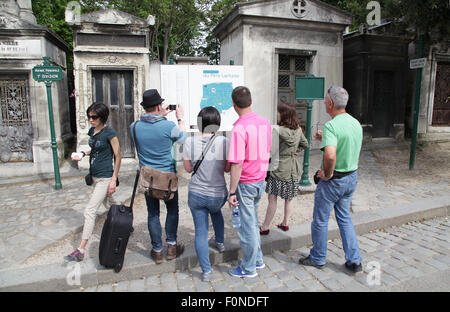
(172, 107)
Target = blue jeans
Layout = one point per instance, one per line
(154, 225)
(201, 206)
(337, 194)
(249, 196)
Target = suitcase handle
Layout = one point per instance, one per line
(134, 188)
(118, 244)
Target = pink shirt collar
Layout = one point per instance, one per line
(244, 117)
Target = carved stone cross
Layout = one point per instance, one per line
(298, 8)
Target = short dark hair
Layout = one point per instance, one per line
(208, 119)
(288, 116)
(101, 110)
(242, 97)
(151, 109)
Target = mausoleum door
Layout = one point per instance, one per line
(441, 106)
(290, 67)
(115, 89)
(383, 102)
(16, 131)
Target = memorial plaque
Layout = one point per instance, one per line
(111, 40)
(20, 47)
(309, 88)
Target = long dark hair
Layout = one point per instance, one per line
(288, 116)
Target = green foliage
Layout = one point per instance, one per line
(428, 17)
(411, 17)
(358, 10)
(218, 10)
(177, 23)
(184, 27)
(51, 13)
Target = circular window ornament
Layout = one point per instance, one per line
(299, 8)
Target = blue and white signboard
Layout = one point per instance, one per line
(199, 86)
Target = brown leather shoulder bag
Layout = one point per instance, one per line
(153, 182)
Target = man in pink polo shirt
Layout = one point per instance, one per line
(249, 157)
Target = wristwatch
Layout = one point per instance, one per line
(180, 119)
(84, 154)
(232, 194)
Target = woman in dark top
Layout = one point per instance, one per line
(101, 168)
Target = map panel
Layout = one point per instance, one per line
(199, 86)
(212, 86)
(217, 95)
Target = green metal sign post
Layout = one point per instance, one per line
(308, 88)
(412, 156)
(49, 73)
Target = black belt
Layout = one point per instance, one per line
(338, 175)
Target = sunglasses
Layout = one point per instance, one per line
(93, 117)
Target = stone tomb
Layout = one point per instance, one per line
(112, 66)
(24, 122)
(277, 41)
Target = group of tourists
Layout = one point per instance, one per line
(245, 155)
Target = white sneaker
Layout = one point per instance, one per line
(206, 276)
(258, 266)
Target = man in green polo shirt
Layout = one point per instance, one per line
(341, 144)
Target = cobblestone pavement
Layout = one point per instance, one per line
(392, 257)
(372, 192)
(35, 217)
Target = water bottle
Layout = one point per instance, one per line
(236, 217)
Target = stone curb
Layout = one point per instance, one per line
(67, 276)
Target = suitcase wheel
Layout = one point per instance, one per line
(117, 268)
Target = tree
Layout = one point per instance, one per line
(51, 13)
(410, 17)
(177, 23)
(217, 11)
(177, 27)
(422, 17)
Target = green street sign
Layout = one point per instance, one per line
(47, 73)
(309, 88)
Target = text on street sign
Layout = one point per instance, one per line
(417, 63)
(52, 73)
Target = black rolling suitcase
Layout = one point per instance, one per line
(116, 231)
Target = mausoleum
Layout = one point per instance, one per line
(25, 147)
(111, 66)
(279, 40)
